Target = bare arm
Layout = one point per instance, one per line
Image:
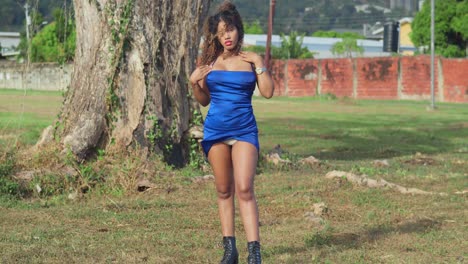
(264, 80)
(197, 80)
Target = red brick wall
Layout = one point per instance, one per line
(455, 72)
(416, 77)
(302, 77)
(377, 78)
(373, 78)
(278, 75)
(337, 77)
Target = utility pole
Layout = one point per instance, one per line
(270, 32)
(28, 23)
(432, 54)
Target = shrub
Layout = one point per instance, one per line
(8, 186)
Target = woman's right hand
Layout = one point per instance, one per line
(199, 74)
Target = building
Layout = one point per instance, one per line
(408, 5)
(366, 9)
(405, 45)
(9, 41)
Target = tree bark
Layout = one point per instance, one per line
(130, 87)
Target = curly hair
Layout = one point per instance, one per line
(212, 48)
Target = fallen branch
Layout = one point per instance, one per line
(363, 180)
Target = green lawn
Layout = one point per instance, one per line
(177, 221)
(24, 114)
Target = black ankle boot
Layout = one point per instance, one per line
(254, 253)
(231, 256)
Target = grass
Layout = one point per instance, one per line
(24, 114)
(177, 221)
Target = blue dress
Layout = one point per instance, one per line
(231, 114)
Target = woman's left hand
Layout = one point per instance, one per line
(252, 57)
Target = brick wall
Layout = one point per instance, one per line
(377, 78)
(278, 70)
(362, 78)
(455, 80)
(302, 77)
(416, 77)
(373, 78)
(336, 77)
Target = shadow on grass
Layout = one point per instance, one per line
(356, 240)
(356, 140)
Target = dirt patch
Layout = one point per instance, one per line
(325, 136)
(8, 136)
(425, 161)
(457, 126)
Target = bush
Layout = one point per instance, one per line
(8, 186)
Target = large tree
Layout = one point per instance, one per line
(451, 27)
(129, 86)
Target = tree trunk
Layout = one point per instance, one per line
(129, 87)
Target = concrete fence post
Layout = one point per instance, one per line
(318, 90)
(355, 78)
(286, 77)
(400, 79)
(440, 79)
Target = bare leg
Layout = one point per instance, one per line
(244, 158)
(221, 162)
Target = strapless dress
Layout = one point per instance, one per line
(231, 114)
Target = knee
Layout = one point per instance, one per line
(224, 193)
(245, 193)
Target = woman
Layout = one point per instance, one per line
(227, 78)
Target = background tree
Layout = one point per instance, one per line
(451, 27)
(292, 48)
(37, 22)
(129, 86)
(55, 42)
(334, 34)
(253, 28)
(460, 23)
(347, 47)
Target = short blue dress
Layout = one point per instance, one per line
(231, 114)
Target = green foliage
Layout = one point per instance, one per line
(7, 185)
(291, 47)
(253, 28)
(257, 49)
(155, 133)
(56, 41)
(451, 28)
(347, 47)
(50, 184)
(196, 157)
(46, 47)
(460, 21)
(334, 34)
(36, 25)
(277, 52)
